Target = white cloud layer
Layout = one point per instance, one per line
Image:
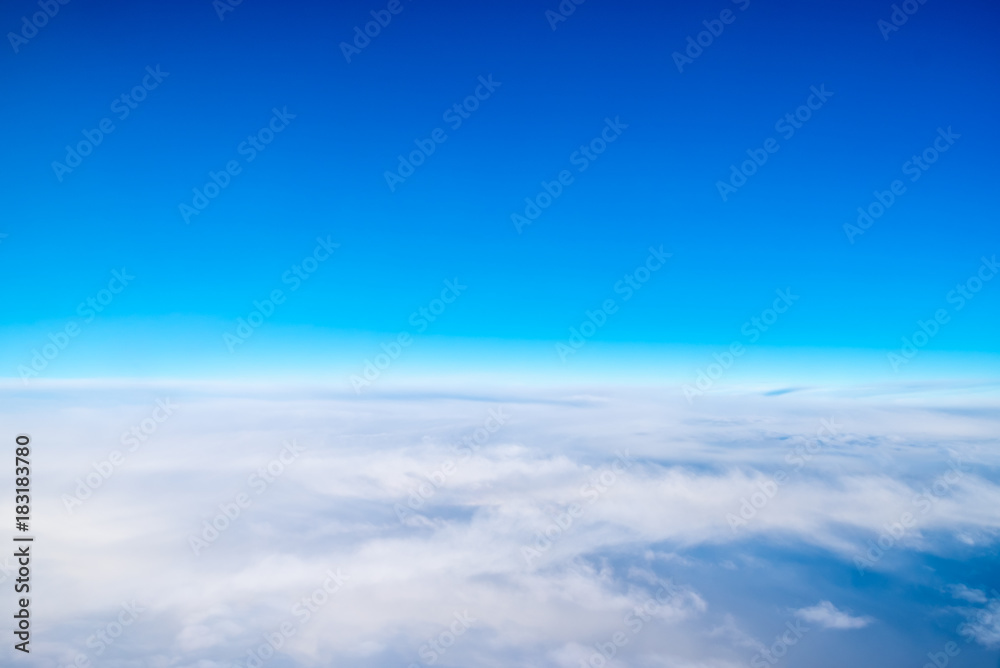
(563, 534)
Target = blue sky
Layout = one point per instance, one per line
(656, 184)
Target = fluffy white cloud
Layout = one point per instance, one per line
(828, 616)
(984, 625)
(960, 591)
(582, 516)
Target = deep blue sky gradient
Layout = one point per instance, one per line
(323, 175)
